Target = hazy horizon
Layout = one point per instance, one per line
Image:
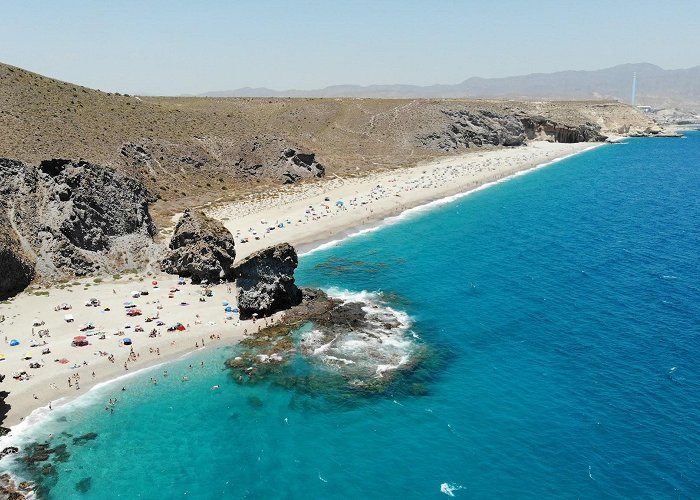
(175, 48)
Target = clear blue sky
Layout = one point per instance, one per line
(174, 47)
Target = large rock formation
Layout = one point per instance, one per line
(539, 127)
(265, 281)
(273, 158)
(17, 267)
(68, 218)
(475, 128)
(201, 248)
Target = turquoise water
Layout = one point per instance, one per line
(562, 313)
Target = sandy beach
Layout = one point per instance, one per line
(304, 215)
(308, 214)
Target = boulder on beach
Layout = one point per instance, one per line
(201, 248)
(265, 281)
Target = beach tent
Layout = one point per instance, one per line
(79, 341)
(2, 357)
(224, 302)
(127, 341)
(180, 327)
(69, 318)
(14, 342)
(27, 355)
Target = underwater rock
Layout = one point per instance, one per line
(84, 485)
(84, 438)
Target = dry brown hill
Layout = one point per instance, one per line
(189, 151)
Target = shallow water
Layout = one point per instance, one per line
(562, 312)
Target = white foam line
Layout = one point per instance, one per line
(439, 202)
(37, 417)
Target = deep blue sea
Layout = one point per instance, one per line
(560, 314)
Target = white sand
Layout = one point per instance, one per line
(50, 382)
(306, 218)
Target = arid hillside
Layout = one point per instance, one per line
(188, 151)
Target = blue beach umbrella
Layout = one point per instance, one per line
(14, 342)
(235, 309)
(228, 309)
(127, 341)
(224, 302)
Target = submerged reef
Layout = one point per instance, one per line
(336, 347)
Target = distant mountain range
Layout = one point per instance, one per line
(655, 87)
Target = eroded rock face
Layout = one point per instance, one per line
(265, 281)
(201, 248)
(273, 158)
(71, 218)
(16, 265)
(539, 127)
(471, 128)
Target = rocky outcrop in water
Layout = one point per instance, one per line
(475, 128)
(265, 281)
(347, 347)
(67, 217)
(10, 490)
(201, 248)
(539, 127)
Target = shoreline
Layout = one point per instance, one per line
(401, 192)
(414, 189)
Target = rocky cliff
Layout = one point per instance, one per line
(542, 128)
(265, 281)
(201, 248)
(65, 218)
(467, 128)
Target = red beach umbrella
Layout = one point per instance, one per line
(63, 361)
(154, 283)
(80, 338)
